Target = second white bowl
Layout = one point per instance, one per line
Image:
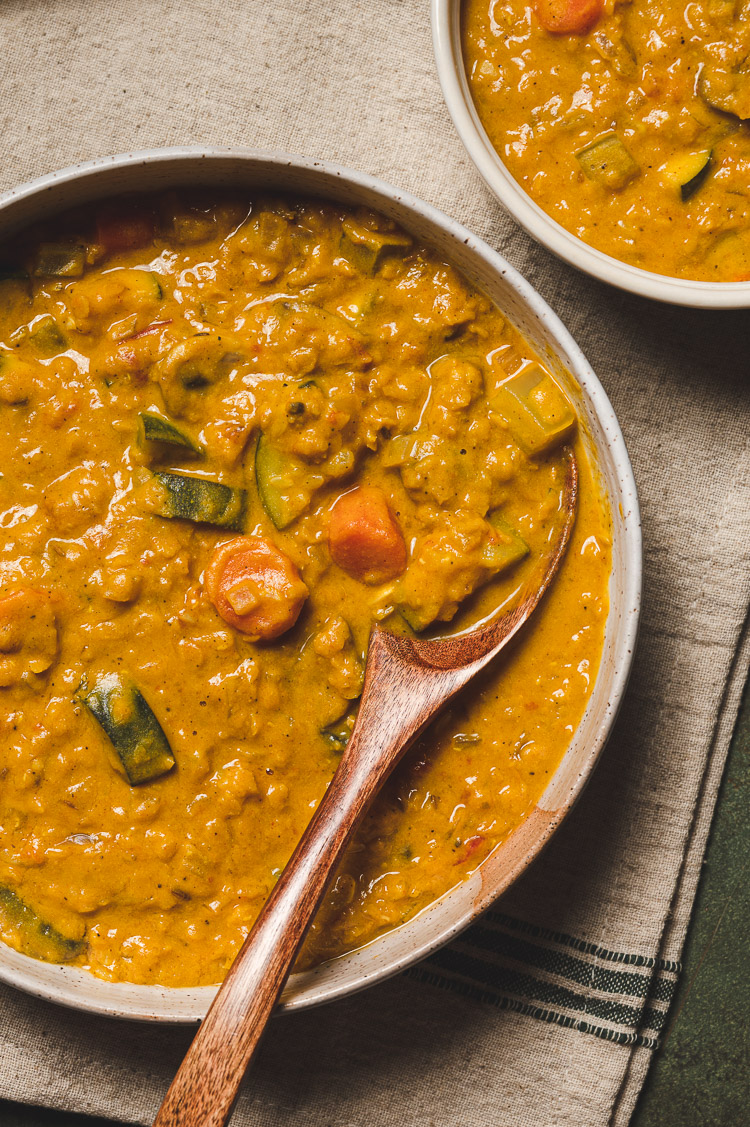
(446, 33)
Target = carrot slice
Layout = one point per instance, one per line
(255, 587)
(568, 17)
(364, 538)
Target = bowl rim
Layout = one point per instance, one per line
(446, 40)
(154, 1003)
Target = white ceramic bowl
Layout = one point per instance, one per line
(160, 169)
(446, 35)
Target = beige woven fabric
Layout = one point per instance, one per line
(356, 83)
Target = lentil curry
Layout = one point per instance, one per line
(626, 121)
(236, 434)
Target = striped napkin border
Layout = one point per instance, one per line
(619, 996)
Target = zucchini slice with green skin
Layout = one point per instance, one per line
(306, 313)
(155, 429)
(687, 171)
(47, 336)
(60, 260)
(338, 734)
(405, 449)
(283, 497)
(141, 283)
(537, 413)
(416, 620)
(691, 186)
(726, 90)
(606, 161)
(202, 501)
(12, 272)
(366, 249)
(506, 548)
(136, 735)
(501, 551)
(39, 938)
(193, 366)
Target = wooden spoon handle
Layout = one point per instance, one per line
(205, 1088)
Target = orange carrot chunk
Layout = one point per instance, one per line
(364, 538)
(124, 231)
(255, 587)
(568, 17)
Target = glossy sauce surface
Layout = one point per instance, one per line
(631, 133)
(337, 399)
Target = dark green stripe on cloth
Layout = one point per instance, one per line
(497, 963)
(565, 940)
(564, 965)
(478, 994)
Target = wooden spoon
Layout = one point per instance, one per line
(407, 681)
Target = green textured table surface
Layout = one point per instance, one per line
(701, 1077)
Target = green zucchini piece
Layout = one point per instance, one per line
(202, 501)
(687, 171)
(305, 311)
(135, 733)
(194, 365)
(39, 938)
(416, 620)
(692, 186)
(726, 90)
(154, 428)
(346, 344)
(367, 249)
(12, 272)
(506, 547)
(142, 283)
(338, 734)
(607, 162)
(405, 448)
(281, 484)
(537, 412)
(60, 260)
(501, 551)
(357, 307)
(47, 336)
(617, 52)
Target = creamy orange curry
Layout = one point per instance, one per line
(236, 434)
(626, 121)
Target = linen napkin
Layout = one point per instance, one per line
(547, 1011)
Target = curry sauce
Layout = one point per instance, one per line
(236, 434)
